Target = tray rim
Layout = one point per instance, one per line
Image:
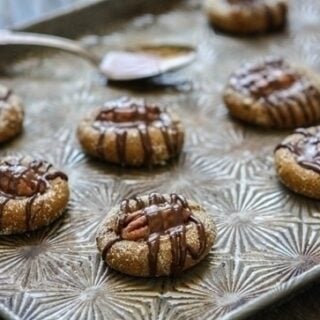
(59, 12)
(290, 288)
(279, 293)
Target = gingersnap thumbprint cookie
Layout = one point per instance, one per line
(155, 235)
(297, 161)
(11, 114)
(247, 16)
(132, 133)
(274, 94)
(32, 194)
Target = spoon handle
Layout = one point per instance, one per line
(8, 37)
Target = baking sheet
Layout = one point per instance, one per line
(268, 238)
(14, 12)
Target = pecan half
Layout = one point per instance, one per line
(152, 219)
(20, 181)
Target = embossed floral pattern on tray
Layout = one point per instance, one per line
(268, 238)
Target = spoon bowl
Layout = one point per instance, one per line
(137, 63)
(145, 61)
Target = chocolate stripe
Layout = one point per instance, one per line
(272, 113)
(268, 13)
(300, 100)
(278, 112)
(28, 210)
(3, 204)
(283, 14)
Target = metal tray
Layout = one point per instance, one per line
(17, 12)
(268, 238)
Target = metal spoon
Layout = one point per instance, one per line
(138, 63)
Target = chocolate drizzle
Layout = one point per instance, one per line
(271, 14)
(159, 217)
(284, 12)
(306, 150)
(289, 97)
(269, 17)
(55, 175)
(20, 179)
(126, 115)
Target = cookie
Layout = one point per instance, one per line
(247, 16)
(11, 114)
(155, 235)
(274, 94)
(131, 133)
(32, 194)
(297, 161)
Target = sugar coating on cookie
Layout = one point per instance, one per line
(32, 194)
(11, 114)
(247, 16)
(155, 235)
(274, 94)
(297, 161)
(132, 133)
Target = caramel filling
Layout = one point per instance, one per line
(130, 114)
(153, 219)
(264, 80)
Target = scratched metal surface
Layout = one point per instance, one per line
(268, 242)
(13, 12)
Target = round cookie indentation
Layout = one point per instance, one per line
(274, 94)
(297, 161)
(155, 235)
(245, 17)
(32, 194)
(11, 114)
(131, 133)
